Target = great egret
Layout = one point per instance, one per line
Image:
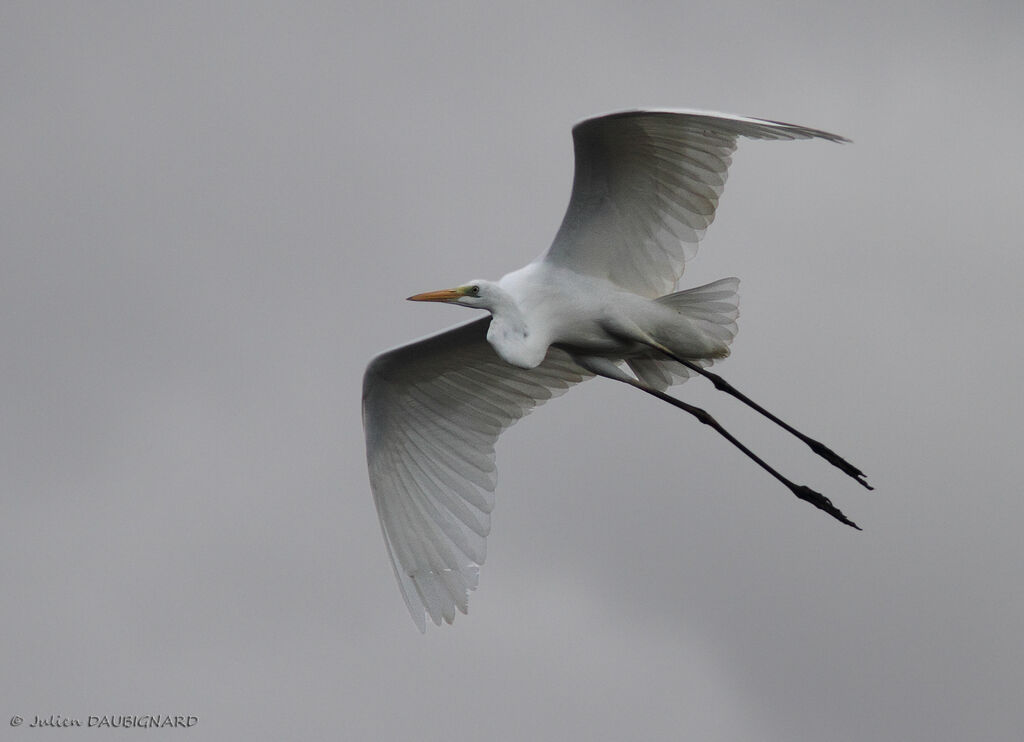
(645, 188)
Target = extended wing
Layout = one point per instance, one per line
(432, 411)
(646, 186)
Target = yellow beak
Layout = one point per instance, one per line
(442, 295)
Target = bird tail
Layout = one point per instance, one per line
(710, 312)
(715, 306)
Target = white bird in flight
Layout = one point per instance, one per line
(599, 302)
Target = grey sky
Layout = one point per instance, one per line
(209, 219)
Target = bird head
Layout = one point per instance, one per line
(478, 294)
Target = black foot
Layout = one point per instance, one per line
(838, 461)
(821, 502)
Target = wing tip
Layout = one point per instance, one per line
(797, 131)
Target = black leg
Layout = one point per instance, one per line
(802, 491)
(819, 448)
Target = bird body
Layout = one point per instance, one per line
(541, 305)
(600, 301)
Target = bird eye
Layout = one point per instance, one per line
(475, 290)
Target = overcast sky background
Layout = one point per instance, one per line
(209, 220)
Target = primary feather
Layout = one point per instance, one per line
(432, 411)
(646, 187)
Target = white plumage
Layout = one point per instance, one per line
(646, 186)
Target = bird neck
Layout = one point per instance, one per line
(509, 334)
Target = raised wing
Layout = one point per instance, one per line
(432, 411)
(646, 186)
